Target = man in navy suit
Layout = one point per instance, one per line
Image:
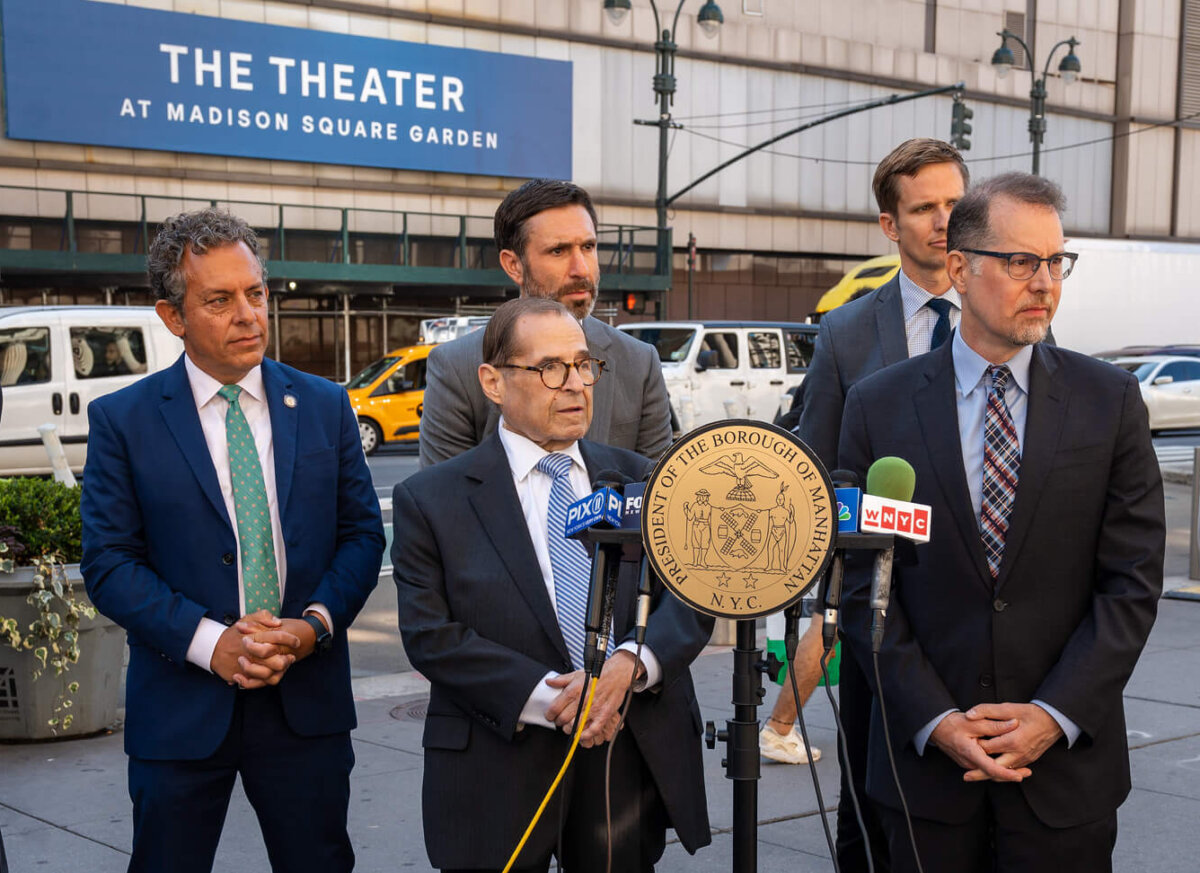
(484, 596)
(1011, 634)
(916, 187)
(230, 526)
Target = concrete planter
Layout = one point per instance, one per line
(25, 705)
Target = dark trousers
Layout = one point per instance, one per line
(1003, 837)
(639, 819)
(298, 786)
(854, 696)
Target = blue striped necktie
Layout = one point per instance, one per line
(1001, 468)
(569, 561)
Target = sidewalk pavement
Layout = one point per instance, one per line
(64, 806)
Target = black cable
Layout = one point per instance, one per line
(841, 731)
(625, 704)
(812, 765)
(887, 738)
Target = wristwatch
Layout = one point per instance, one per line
(324, 637)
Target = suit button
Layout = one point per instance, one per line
(227, 558)
(228, 620)
(999, 605)
(985, 680)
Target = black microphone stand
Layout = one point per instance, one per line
(742, 762)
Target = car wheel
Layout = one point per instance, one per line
(370, 434)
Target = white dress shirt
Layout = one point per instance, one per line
(211, 408)
(533, 492)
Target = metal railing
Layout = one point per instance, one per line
(72, 221)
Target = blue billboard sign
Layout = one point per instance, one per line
(102, 74)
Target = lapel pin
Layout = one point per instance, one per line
(290, 401)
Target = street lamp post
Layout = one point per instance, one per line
(1068, 67)
(710, 20)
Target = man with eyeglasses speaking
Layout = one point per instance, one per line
(1011, 634)
(491, 599)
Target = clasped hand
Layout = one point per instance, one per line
(996, 741)
(605, 714)
(259, 648)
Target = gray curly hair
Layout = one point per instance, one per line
(199, 231)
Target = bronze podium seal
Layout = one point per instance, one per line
(739, 519)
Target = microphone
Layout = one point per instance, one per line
(631, 519)
(596, 520)
(892, 479)
(848, 494)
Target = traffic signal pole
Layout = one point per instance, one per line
(864, 107)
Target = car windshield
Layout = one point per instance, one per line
(1141, 369)
(672, 343)
(371, 373)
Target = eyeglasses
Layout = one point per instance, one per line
(1024, 265)
(554, 373)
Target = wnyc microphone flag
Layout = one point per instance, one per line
(884, 515)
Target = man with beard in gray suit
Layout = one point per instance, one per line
(546, 234)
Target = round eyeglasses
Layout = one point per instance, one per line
(1024, 265)
(554, 373)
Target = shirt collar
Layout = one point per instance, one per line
(205, 387)
(524, 454)
(913, 296)
(969, 366)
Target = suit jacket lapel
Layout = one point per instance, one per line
(889, 321)
(937, 415)
(499, 512)
(284, 423)
(178, 410)
(1043, 428)
(600, 346)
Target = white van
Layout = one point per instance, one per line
(54, 360)
(729, 369)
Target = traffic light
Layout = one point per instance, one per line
(960, 130)
(635, 302)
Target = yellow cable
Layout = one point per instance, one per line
(562, 770)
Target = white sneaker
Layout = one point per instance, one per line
(785, 748)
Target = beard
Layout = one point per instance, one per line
(581, 309)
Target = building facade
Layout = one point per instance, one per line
(387, 245)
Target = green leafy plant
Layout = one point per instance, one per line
(40, 527)
(43, 516)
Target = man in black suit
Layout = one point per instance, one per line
(1011, 634)
(487, 586)
(915, 187)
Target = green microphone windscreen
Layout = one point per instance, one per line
(893, 478)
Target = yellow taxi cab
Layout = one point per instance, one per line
(860, 279)
(388, 397)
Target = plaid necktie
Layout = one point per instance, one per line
(569, 561)
(260, 576)
(1001, 468)
(941, 328)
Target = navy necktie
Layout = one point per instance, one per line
(941, 330)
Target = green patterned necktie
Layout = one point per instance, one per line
(260, 577)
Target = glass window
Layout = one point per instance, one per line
(1177, 371)
(370, 373)
(672, 343)
(24, 356)
(408, 377)
(800, 347)
(98, 352)
(764, 350)
(1190, 371)
(722, 349)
